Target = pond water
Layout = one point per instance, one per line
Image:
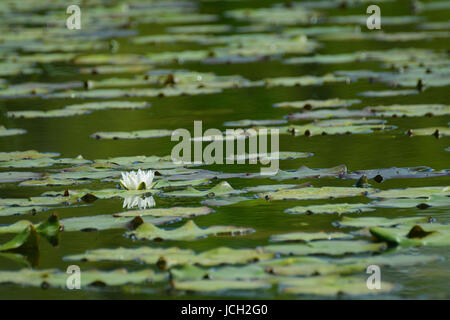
(71, 136)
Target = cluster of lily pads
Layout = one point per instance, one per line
(297, 263)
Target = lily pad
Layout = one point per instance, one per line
(23, 155)
(189, 231)
(315, 104)
(306, 173)
(430, 234)
(4, 132)
(417, 192)
(26, 240)
(162, 212)
(174, 256)
(104, 222)
(431, 201)
(326, 247)
(18, 176)
(332, 286)
(338, 208)
(221, 189)
(219, 285)
(309, 236)
(141, 134)
(315, 193)
(55, 278)
(379, 221)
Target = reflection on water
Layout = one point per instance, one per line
(138, 202)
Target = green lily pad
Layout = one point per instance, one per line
(276, 187)
(437, 132)
(23, 155)
(306, 173)
(315, 104)
(4, 132)
(309, 236)
(430, 234)
(51, 182)
(221, 189)
(303, 80)
(104, 222)
(220, 202)
(329, 113)
(418, 110)
(417, 192)
(18, 176)
(249, 123)
(12, 211)
(388, 93)
(315, 193)
(189, 231)
(31, 114)
(332, 286)
(379, 221)
(55, 278)
(338, 208)
(432, 201)
(219, 285)
(26, 240)
(266, 157)
(141, 134)
(109, 105)
(326, 247)
(174, 256)
(162, 212)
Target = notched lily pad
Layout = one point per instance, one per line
(189, 231)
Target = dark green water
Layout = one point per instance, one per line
(70, 137)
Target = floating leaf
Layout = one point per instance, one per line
(55, 278)
(327, 247)
(306, 173)
(104, 222)
(418, 192)
(174, 256)
(388, 93)
(315, 104)
(162, 212)
(432, 201)
(141, 134)
(26, 240)
(248, 123)
(315, 193)
(22, 155)
(332, 286)
(17, 176)
(31, 114)
(380, 175)
(309, 236)
(337, 208)
(379, 221)
(436, 131)
(221, 189)
(219, 285)
(4, 132)
(430, 234)
(189, 231)
(276, 187)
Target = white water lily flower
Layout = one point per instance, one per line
(141, 203)
(137, 180)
